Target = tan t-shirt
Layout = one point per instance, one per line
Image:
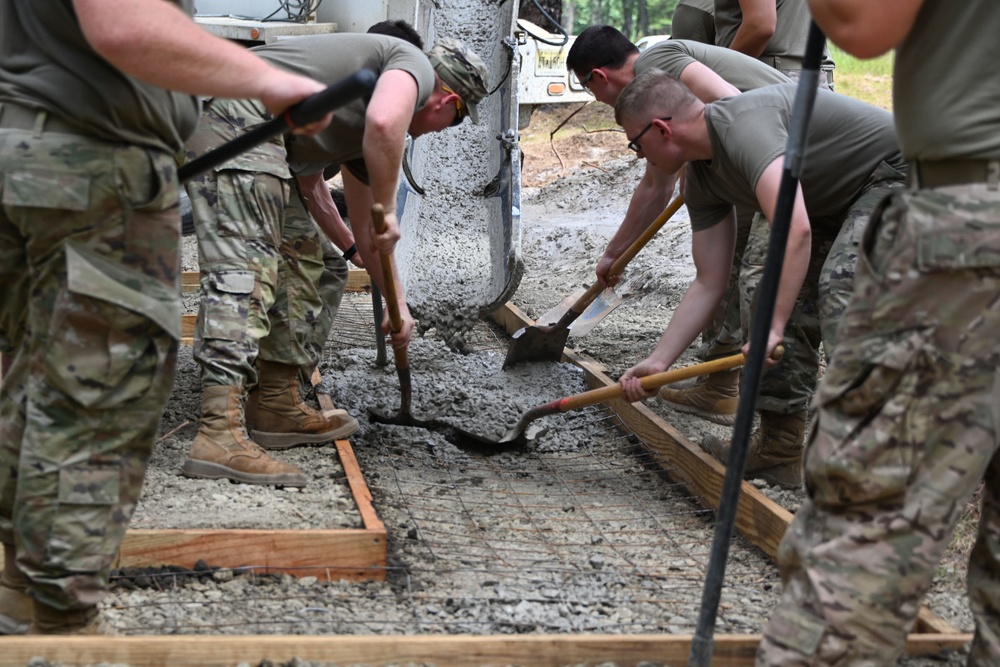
(846, 140)
(737, 69)
(945, 92)
(330, 58)
(45, 63)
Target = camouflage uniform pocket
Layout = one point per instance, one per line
(83, 524)
(230, 299)
(959, 249)
(146, 179)
(955, 228)
(864, 443)
(111, 331)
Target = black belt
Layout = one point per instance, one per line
(782, 62)
(942, 173)
(17, 117)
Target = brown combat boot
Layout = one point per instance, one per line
(52, 621)
(775, 454)
(279, 418)
(15, 606)
(715, 399)
(222, 449)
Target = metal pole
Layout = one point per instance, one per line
(381, 358)
(805, 96)
(307, 111)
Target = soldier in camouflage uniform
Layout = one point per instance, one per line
(908, 412)
(776, 37)
(270, 280)
(89, 278)
(735, 152)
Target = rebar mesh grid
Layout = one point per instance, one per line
(595, 538)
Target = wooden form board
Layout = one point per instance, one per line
(357, 281)
(758, 518)
(355, 554)
(451, 650)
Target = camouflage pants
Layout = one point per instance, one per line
(270, 281)
(724, 334)
(829, 284)
(908, 425)
(90, 308)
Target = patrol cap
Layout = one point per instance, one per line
(462, 71)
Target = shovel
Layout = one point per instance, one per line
(404, 417)
(516, 438)
(546, 342)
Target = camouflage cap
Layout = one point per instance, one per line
(462, 71)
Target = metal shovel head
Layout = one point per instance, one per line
(542, 341)
(536, 344)
(402, 418)
(513, 440)
(606, 302)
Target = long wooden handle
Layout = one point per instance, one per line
(651, 382)
(657, 380)
(389, 285)
(619, 264)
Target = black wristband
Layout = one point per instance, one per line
(351, 252)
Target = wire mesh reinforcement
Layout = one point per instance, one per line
(589, 538)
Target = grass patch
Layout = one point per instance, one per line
(867, 80)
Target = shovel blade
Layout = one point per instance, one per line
(402, 418)
(536, 343)
(542, 341)
(477, 444)
(606, 302)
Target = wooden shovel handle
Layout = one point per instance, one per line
(389, 284)
(619, 264)
(657, 380)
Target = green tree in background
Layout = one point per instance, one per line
(536, 10)
(635, 18)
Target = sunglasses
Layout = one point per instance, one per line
(634, 143)
(459, 105)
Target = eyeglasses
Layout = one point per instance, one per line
(634, 143)
(590, 75)
(460, 110)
